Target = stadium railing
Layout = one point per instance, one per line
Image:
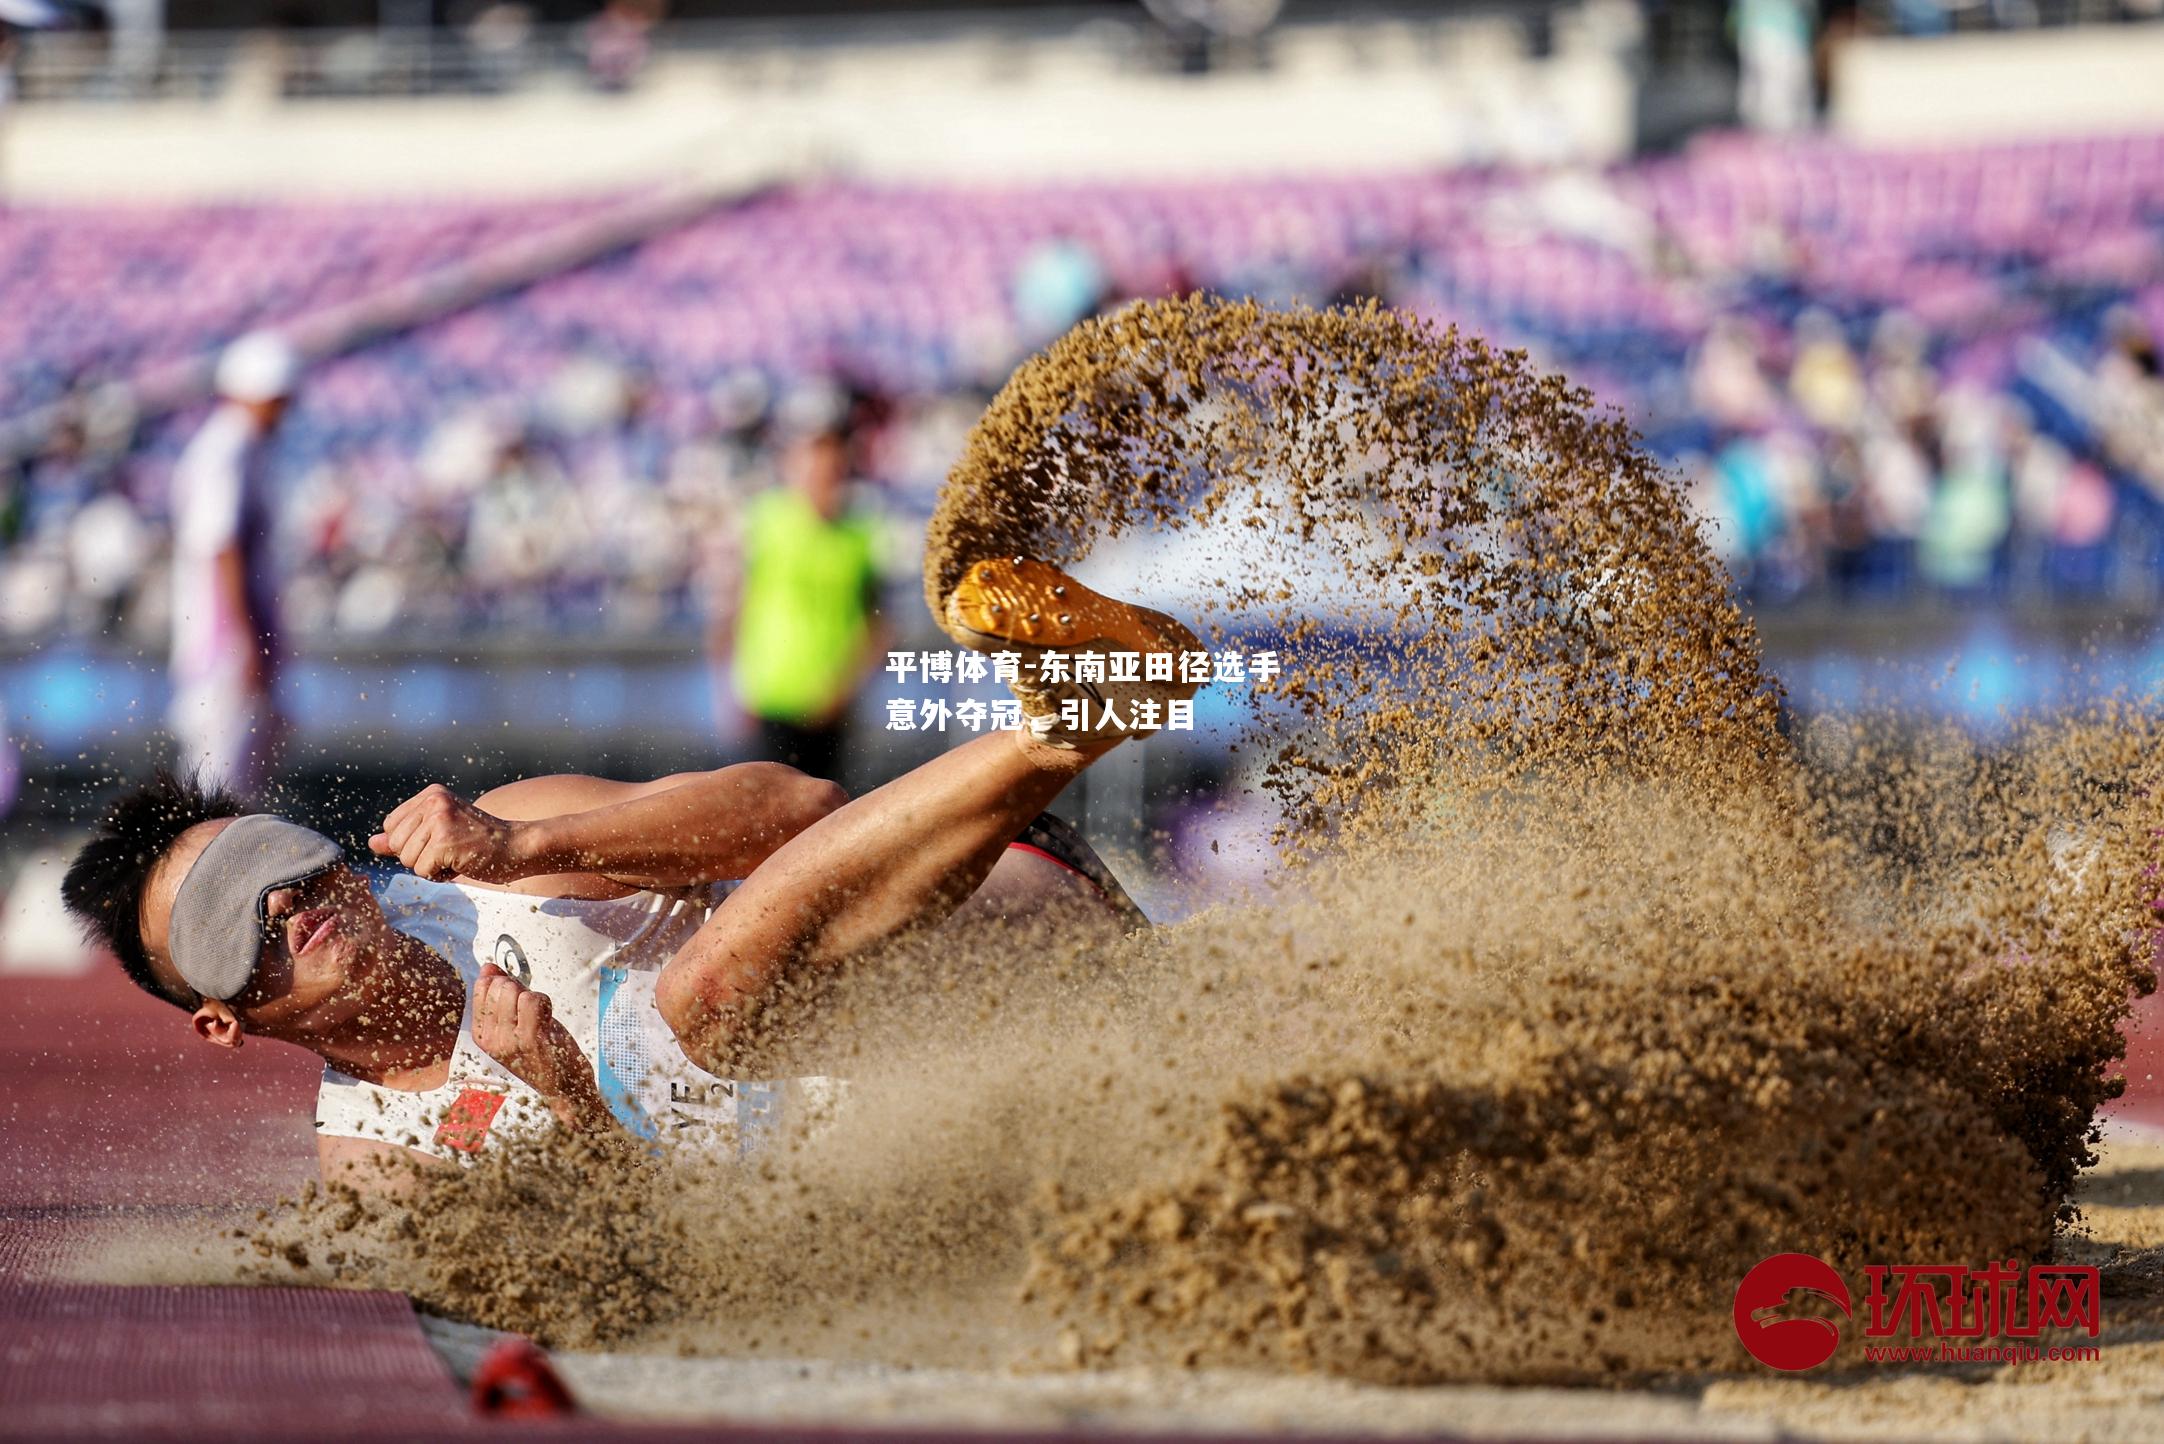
(513, 55)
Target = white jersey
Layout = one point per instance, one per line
(597, 960)
(221, 499)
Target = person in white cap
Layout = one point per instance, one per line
(226, 650)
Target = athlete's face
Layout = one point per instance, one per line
(321, 940)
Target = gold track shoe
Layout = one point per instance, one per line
(1031, 608)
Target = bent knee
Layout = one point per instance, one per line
(680, 997)
(703, 1001)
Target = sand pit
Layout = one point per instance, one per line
(1579, 991)
(2115, 1398)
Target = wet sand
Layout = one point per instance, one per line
(2118, 1397)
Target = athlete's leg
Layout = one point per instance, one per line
(910, 852)
(1032, 890)
(905, 854)
(1050, 874)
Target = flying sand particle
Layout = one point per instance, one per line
(1579, 992)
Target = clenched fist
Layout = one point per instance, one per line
(439, 836)
(518, 1028)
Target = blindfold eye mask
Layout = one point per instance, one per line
(219, 915)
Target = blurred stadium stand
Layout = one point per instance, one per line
(558, 301)
(1886, 372)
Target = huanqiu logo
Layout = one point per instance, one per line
(1943, 1313)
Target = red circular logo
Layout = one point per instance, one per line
(1790, 1343)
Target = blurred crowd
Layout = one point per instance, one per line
(1823, 467)
(1857, 471)
(1879, 378)
(568, 513)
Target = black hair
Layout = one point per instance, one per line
(104, 885)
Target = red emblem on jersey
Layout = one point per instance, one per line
(465, 1122)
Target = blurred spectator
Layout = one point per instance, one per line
(226, 644)
(1899, 473)
(1747, 494)
(1902, 386)
(528, 529)
(62, 479)
(1059, 284)
(804, 634)
(1199, 29)
(1727, 384)
(108, 545)
(11, 764)
(1921, 17)
(1373, 278)
(2130, 401)
(1279, 270)
(1971, 513)
(645, 553)
(1773, 40)
(10, 49)
(619, 41)
(1825, 382)
(136, 39)
(500, 37)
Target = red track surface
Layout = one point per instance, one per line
(111, 1111)
(217, 1362)
(107, 1098)
(2143, 1103)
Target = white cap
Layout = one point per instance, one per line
(260, 366)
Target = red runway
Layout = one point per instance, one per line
(2143, 1104)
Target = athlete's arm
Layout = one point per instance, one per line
(517, 1026)
(551, 834)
